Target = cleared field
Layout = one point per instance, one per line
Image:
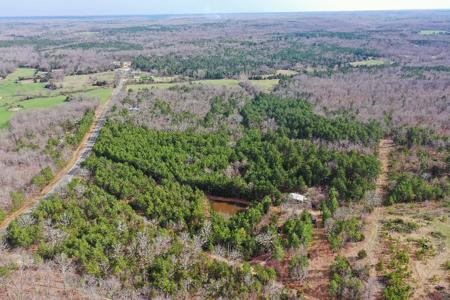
(369, 63)
(432, 32)
(165, 79)
(161, 86)
(265, 84)
(77, 83)
(7, 112)
(286, 72)
(20, 73)
(5, 116)
(17, 96)
(221, 82)
(42, 102)
(11, 90)
(144, 77)
(427, 242)
(103, 94)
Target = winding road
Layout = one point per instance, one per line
(73, 167)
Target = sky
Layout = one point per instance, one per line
(10, 8)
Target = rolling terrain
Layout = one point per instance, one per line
(278, 156)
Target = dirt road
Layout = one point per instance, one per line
(372, 244)
(65, 175)
(372, 227)
(322, 256)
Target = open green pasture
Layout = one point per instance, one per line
(18, 95)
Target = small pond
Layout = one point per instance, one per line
(226, 209)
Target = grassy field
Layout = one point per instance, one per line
(165, 79)
(286, 72)
(17, 96)
(220, 82)
(427, 244)
(161, 86)
(20, 73)
(11, 89)
(5, 116)
(42, 102)
(266, 84)
(76, 83)
(369, 63)
(103, 94)
(432, 32)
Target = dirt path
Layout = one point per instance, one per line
(372, 226)
(373, 249)
(322, 256)
(66, 174)
(318, 280)
(385, 149)
(374, 287)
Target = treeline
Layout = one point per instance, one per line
(111, 46)
(297, 120)
(252, 58)
(226, 65)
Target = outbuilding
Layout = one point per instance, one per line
(297, 198)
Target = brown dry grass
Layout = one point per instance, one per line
(428, 271)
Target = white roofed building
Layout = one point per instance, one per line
(297, 197)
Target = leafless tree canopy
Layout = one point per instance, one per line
(23, 146)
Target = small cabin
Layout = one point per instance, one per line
(297, 198)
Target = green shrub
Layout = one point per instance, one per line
(44, 177)
(345, 283)
(298, 266)
(400, 225)
(362, 254)
(23, 236)
(342, 231)
(425, 248)
(397, 285)
(81, 128)
(414, 136)
(3, 214)
(6, 270)
(330, 205)
(298, 231)
(18, 199)
(411, 188)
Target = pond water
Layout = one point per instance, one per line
(225, 209)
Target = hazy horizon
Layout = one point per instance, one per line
(55, 8)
